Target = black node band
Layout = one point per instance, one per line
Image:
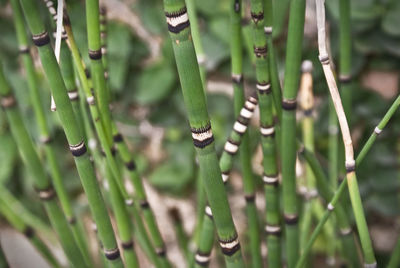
(95, 54)
(178, 28)
(242, 120)
(130, 165)
(260, 51)
(229, 251)
(276, 232)
(72, 220)
(250, 198)
(205, 255)
(112, 254)
(127, 245)
(350, 168)
(203, 143)
(144, 204)
(41, 39)
(289, 104)
(236, 6)
(78, 150)
(308, 112)
(161, 252)
(29, 232)
(291, 219)
(345, 79)
(117, 138)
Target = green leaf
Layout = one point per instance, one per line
(154, 84)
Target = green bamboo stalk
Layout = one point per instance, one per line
(245, 154)
(193, 93)
(198, 46)
(273, 65)
(73, 134)
(118, 195)
(28, 231)
(345, 55)
(350, 163)
(288, 140)
(231, 147)
(41, 182)
(44, 132)
(267, 129)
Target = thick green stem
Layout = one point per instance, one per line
(193, 93)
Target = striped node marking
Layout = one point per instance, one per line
(330, 207)
(144, 204)
(272, 230)
(46, 194)
(264, 88)
(225, 177)
(231, 147)
(117, 138)
(268, 30)
(23, 49)
(73, 95)
(377, 131)
(29, 232)
(271, 180)
(344, 78)
(237, 78)
(231, 246)
(350, 165)
(291, 219)
(127, 244)
(257, 16)
(202, 259)
(267, 131)
(177, 21)
(239, 127)
(324, 59)
(289, 104)
(370, 265)
(41, 39)
(250, 198)
(250, 104)
(345, 231)
(103, 50)
(208, 211)
(92, 144)
(90, 100)
(95, 54)
(260, 51)
(45, 139)
(245, 113)
(130, 165)
(161, 251)
(312, 193)
(129, 202)
(202, 136)
(112, 254)
(72, 220)
(8, 101)
(78, 149)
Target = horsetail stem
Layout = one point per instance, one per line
(193, 94)
(225, 163)
(345, 55)
(41, 182)
(20, 226)
(73, 134)
(44, 132)
(350, 163)
(182, 238)
(288, 140)
(198, 46)
(103, 41)
(273, 66)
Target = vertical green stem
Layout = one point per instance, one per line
(288, 141)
